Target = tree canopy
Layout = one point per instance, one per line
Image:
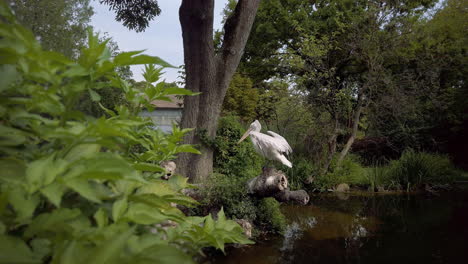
(59, 25)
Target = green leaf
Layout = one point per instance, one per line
(101, 218)
(41, 247)
(142, 166)
(83, 187)
(23, 203)
(119, 208)
(145, 59)
(178, 182)
(12, 171)
(108, 111)
(109, 251)
(14, 251)
(75, 71)
(58, 221)
(187, 148)
(159, 188)
(71, 252)
(163, 254)
(54, 192)
(8, 75)
(44, 171)
(82, 151)
(144, 214)
(95, 97)
(11, 136)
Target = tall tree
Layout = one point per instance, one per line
(60, 25)
(207, 71)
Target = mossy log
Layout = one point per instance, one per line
(267, 184)
(273, 183)
(299, 196)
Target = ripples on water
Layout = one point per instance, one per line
(367, 229)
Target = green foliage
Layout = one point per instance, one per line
(416, 168)
(134, 16)
(378, 175)
(302, 172)
(235, 164)
(72, 189)
(221, 191)
(229, 192)
(270, 215)
(59, 25)
(241, 98)
(232, 159)
(350, 171)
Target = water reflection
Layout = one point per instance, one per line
(367, 229)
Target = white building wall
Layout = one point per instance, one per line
(164, 118)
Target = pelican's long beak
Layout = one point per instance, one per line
(246, 134)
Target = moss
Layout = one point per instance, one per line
(269, 215)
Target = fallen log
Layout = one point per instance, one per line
(299, 196)
(267, 184)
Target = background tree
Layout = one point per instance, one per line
(241, 98)
(59, 25)
(207, 71)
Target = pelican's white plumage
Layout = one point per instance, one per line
(271, 146)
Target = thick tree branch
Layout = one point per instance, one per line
(236, 33)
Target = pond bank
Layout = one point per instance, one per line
(367, 228)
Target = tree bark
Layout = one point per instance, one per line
(208, 73)
(351, 139)
(267, 184)
(331, 146)
(299, 196)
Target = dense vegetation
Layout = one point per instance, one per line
(80, 188)
(368, 93)
(370, 77)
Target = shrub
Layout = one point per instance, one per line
(230, 158)
(300, 173)
(377, 175)
(415, 168)
(229, 193)
(270, 216)
(350, 172)
(235, 164)
(222, 191)
(71, 188)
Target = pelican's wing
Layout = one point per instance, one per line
(282, 144)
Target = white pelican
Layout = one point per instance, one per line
(272, 146)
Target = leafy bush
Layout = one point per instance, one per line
(270, 216)
(229, 193)
(377, 175)
(415, 168)
(72, 189)
(230, 158)
(350, 172)
(300, 173)
(235, 164)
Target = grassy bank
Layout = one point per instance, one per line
(412, 170)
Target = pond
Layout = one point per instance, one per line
(367, 228)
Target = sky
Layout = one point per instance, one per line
(163, 38)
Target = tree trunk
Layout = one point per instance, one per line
(351, 139)
(331, 147)
(208, 73)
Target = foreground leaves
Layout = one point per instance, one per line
(74, 188)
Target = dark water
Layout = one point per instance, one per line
(367, 229)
